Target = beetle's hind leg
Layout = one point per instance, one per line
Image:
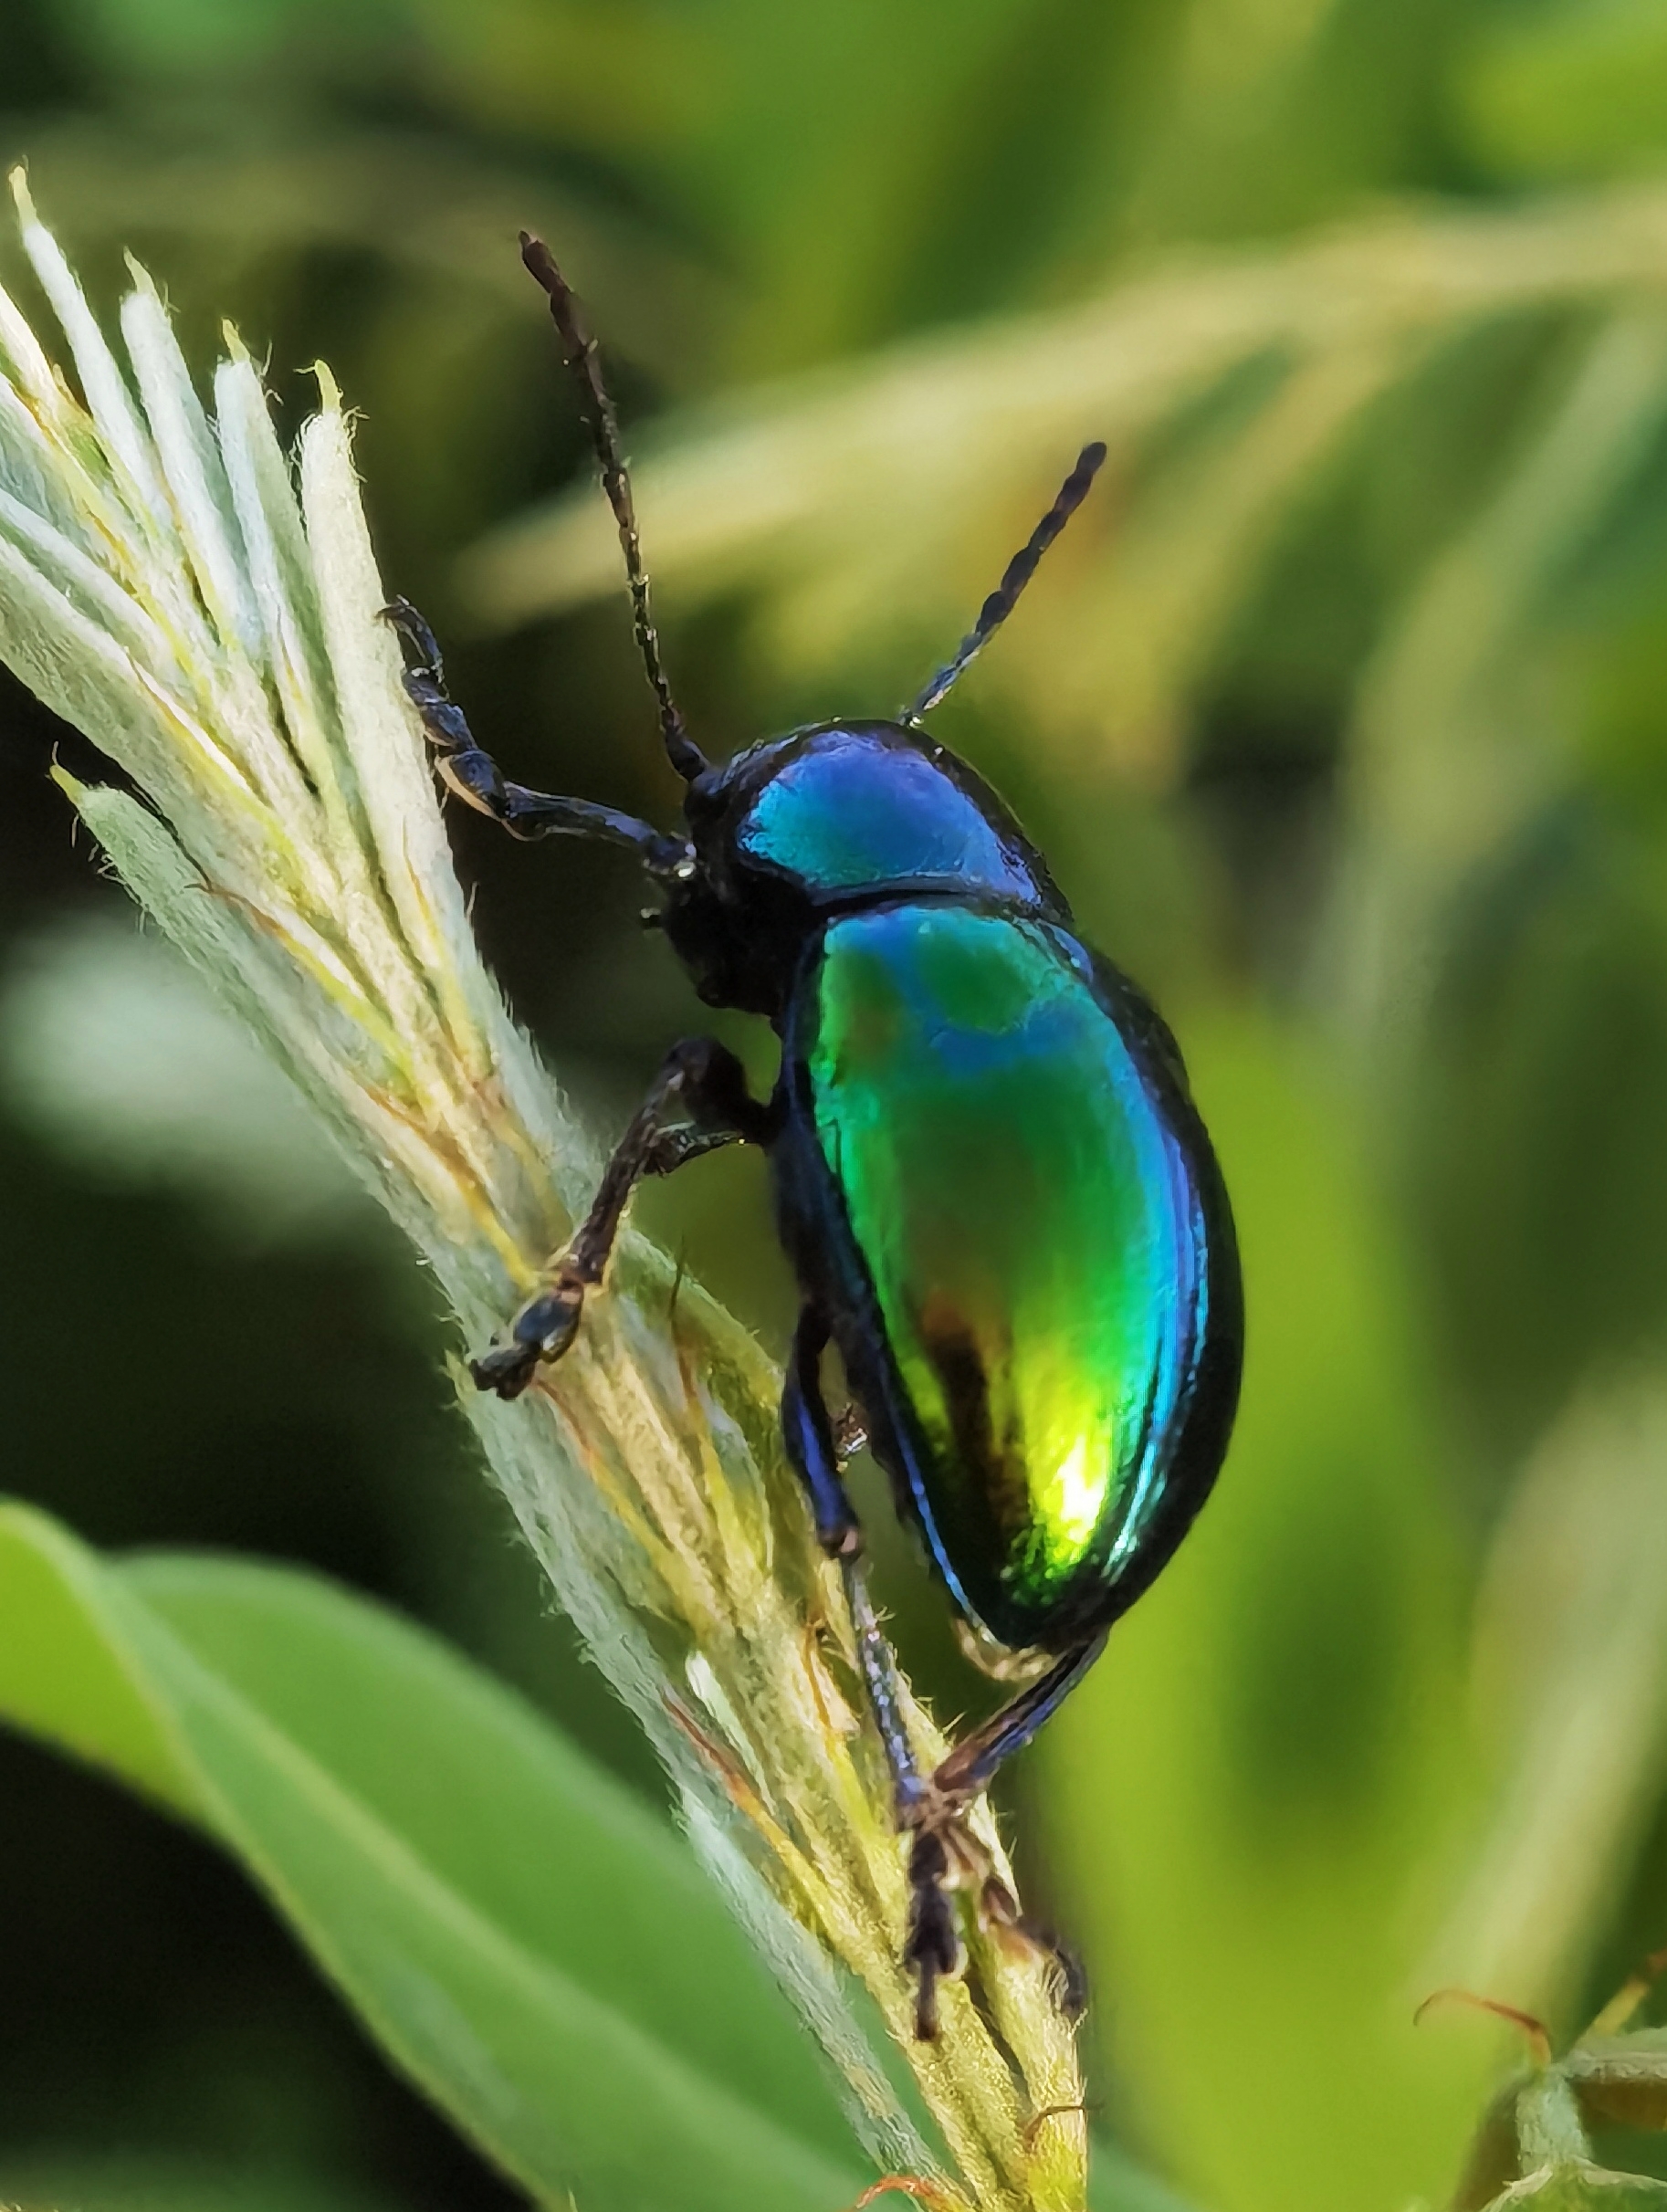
(931, 1809)
(945, 1855)
(968, 1772)
(697, 1102)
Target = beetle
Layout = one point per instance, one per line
(997, 1196)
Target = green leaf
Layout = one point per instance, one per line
(1566, 91)
(92, 2183)
(67, 1670)
(525, 1939)
(1116, 2185)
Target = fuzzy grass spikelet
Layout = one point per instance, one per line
(205, 606)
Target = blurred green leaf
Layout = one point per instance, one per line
(1116, 2185)
(111, 1050)
(1570, 1691)
(524, 1939)
(1574, 88)
(195, 34)
(80, 2182)
(69, 1671)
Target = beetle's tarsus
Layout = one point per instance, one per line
(945, 1856)
(401, 616)
(998, 1909)
(1071, 1992)
(700, 1078)
(542, 1330)
(933, 1946)
(471, 774)
(506, 1370)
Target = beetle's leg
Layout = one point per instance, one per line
(932, 1944)
(970, 1768)
(968, 1772)
(476, 779)
(703, 1085)
(932, 1947)
(808, 1433)
(943, 1854)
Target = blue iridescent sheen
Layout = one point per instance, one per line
(845, 808)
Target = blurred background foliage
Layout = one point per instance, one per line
(1340, 714)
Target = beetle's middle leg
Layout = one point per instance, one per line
(698, 1101)
(930, 1809)
(932, 1947)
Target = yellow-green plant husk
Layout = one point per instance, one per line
(205, 606)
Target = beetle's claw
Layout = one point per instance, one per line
(1071, 1989)
(944, 1857)
(933, 1946)
(543, 1329)
(403, 617)
(998, 1909)
(506, 1369)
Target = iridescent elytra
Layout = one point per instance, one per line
(999, 1200)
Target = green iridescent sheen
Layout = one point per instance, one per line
(1031, 1234)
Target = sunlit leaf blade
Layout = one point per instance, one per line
(427, 1838)
(875, 503)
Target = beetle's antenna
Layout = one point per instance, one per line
(1019, 569)
(579, 351)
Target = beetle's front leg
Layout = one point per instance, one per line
(698, 1101)
(471, 774)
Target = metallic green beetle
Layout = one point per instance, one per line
(997, 1198)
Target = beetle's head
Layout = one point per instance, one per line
(828, 817)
